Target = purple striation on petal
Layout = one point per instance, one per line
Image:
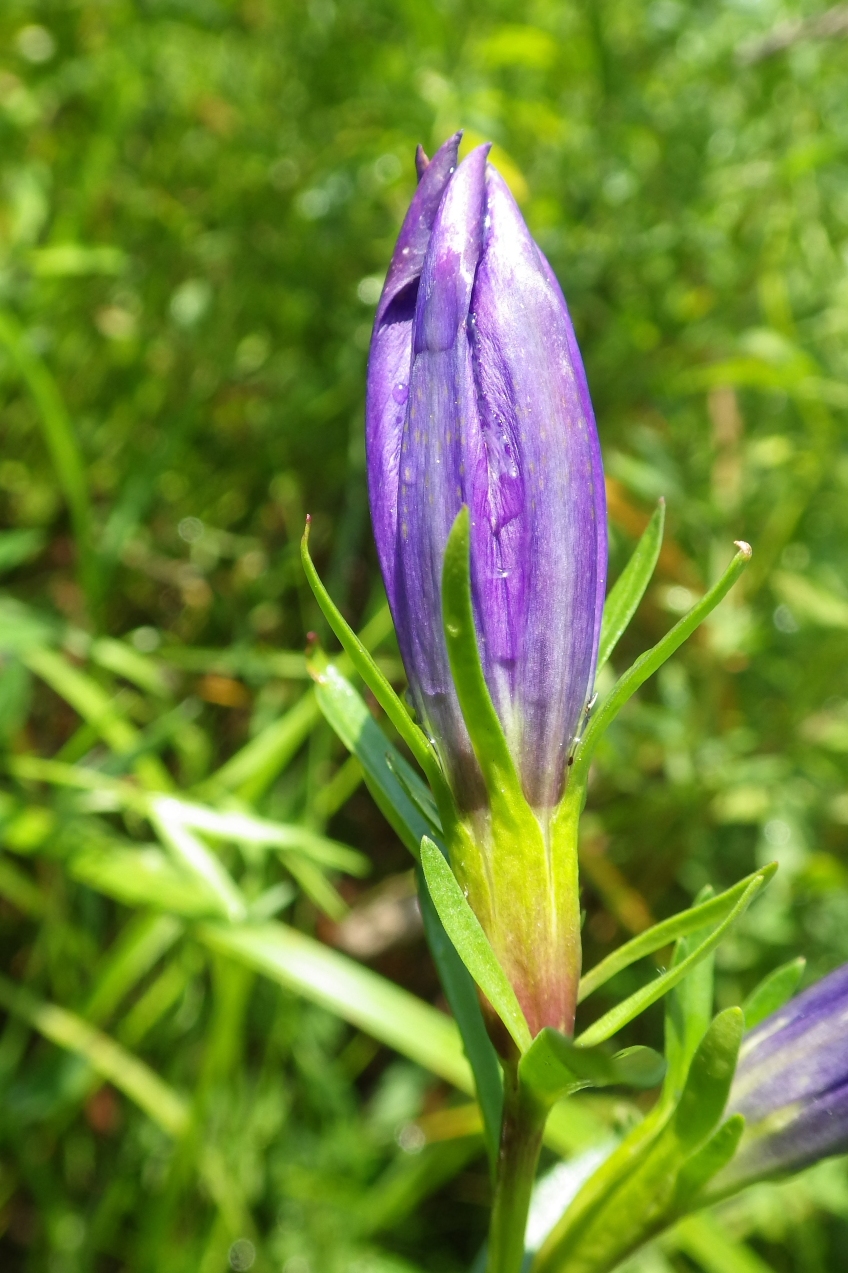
(494, 413)
(391, 348)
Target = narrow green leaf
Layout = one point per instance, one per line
(710, 1075)
(773, 992)
(407, 806)
(688, 1012)
(663, 934)
(113, 1062)
(629, 588)
(415, 739)
(617, 1017)
(461, 994)
(706, 1161)
(471, 943)
(478, 710)
(356, 994)
(390, 779)
(647, 663)
(554, 1066)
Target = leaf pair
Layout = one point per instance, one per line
(654, 1175)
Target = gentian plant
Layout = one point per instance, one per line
(487, 499)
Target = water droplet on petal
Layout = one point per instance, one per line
(400, 393)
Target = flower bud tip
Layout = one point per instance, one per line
(745, 549)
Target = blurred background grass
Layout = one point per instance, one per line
(198, 200)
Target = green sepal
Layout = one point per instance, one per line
(707, 1087)
(471, 943)
(478, 710)
(629, 588)
(773, 992)
(554, 1067)
(415, 739)
(701, 915)
(698, 1170)
(651, 660)
(617, 1017)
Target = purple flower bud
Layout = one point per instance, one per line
(792, 1085)
(477, 396)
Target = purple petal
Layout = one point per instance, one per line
(440, 451)
(538, 515)
(793, 1138)
(797, 1053)
(391, 347)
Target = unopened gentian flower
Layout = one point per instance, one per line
(791, 1084)
(477, 397)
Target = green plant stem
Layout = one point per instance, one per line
(521, 1140)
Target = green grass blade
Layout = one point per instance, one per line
(317, 887)
(629, 588)
(251, 771)
(651, 660)
(18, 888)
(660, 935)
(617, 1017)
(196, 858)
(472, 945)
(95, 707)
(140, 945)
(111, 1061)
(356, 994)
(140, 669)
(245, 828)
(68, 464)
(144, 876)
